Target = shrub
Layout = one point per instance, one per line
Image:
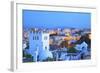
(28, 56)
(72, 50)
(48, 59)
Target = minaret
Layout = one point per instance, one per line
(39, 45)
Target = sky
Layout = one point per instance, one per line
(54, 19)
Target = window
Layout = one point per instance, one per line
(45, 37)
(35, 38)
(45, 47)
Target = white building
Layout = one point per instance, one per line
(39, 45)
(83, 47)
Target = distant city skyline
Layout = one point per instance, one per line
(54, 19)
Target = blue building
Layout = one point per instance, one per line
(39, 45)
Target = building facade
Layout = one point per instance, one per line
(39, 46)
